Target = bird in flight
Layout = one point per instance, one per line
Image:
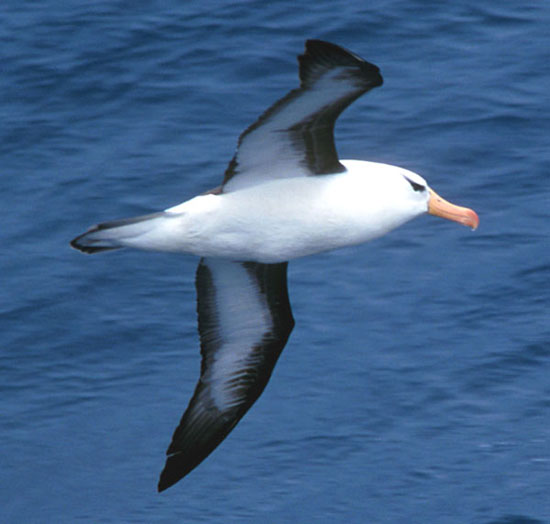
(285, 194)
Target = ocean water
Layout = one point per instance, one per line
(415, 386)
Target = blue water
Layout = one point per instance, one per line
(415, 387)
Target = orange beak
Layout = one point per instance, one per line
(440, 207)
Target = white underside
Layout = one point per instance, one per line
(243, 319)
(288, 218)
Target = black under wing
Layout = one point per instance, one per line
(204, 425)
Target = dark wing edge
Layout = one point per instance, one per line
(314, 132)
(232, 376)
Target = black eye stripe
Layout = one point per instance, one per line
(415, 186)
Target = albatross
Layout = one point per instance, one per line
(285, 194)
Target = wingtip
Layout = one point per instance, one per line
(162, 487)
(170, 475)
(163, 484)
(323, 52)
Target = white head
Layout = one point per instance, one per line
(395, 195)
(438, 206)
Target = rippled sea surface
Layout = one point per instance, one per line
(416, 384)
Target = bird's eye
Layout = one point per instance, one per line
(415, 186)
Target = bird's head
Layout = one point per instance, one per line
(438, 206)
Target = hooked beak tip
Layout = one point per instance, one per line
(440, 207)
(472, 220)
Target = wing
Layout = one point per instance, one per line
(295, 136)
(244, 322)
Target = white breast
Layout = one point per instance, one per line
(288, 218)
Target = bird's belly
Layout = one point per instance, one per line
(278, 222)
(276, 241)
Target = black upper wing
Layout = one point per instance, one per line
(295, 136)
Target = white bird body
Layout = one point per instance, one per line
(284, 218)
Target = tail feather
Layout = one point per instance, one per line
(111, 235)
